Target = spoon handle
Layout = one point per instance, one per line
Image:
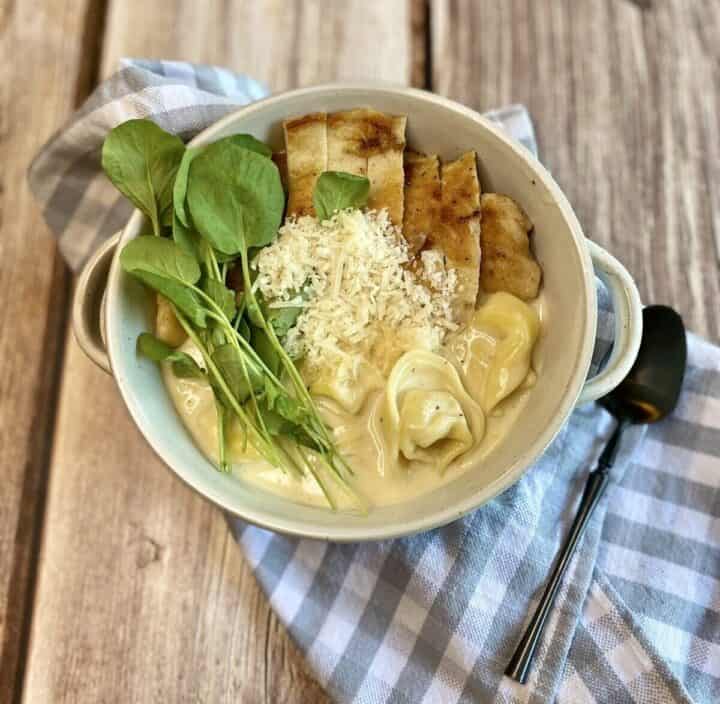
(519, 666)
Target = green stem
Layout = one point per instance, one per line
(239, 342)
(260, 442)
(236, 339)
(258, 415)
(316, 476)
(216, 268)
(270, 332)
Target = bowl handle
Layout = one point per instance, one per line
(89, 302)
(628, 324)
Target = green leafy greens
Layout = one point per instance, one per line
(211, 209)
(167, 268)
(336, 190)
(184, 366)
(180, 190)
(141, 160)
(236, 198)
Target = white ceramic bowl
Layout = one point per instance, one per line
(434, 125)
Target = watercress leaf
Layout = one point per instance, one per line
(336, 190)
(274, 422)
(254, 311)
(149, 346)
(277, 399)
(180, 187)
(159, 257)
(181, 180)
(235, 196)
(290, 409)
(217, 335)
(238, 376)
(266, 350)
(184, 366)
(271, 394)
(282, 319)
(141, 160)
(223, 296)
(300, 436)
(278, 425)
(244, 329)
(167, 268)
(185, 237)
(178, 293)
(247, 141)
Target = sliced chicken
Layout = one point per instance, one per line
(345, 142)
(306, 146)
(385, 143)
(422, 198)
(507, 263)
(369, 143)
(458, 232)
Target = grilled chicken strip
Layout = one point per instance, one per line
(507, 262)
(369, 143)
(385, 141)
(458, 233)
(345, 142)
(306, 147)
(422, 199)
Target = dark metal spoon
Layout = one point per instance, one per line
(647, 394)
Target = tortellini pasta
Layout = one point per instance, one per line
(348, 383)
(502, 335)
(428, 417)
(392, 343)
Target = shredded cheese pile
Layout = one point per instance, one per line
(358, 288)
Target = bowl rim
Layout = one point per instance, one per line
(289, 525)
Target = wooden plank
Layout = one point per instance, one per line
(626, 102)
(142, 594)
(42, 52)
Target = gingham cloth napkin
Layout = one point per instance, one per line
(434, 618)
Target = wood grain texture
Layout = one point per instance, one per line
(42, 46)
(286, 43)
(143, 596)
(626, 102)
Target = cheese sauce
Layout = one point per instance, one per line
(491, 359)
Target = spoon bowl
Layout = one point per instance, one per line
(651, 389)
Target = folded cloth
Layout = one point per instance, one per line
(435, 617)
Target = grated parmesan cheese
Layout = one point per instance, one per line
(362, 298)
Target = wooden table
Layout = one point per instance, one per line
(117, 584)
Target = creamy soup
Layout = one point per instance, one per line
(435, 415)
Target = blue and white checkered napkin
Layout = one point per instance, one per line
(434, 618)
